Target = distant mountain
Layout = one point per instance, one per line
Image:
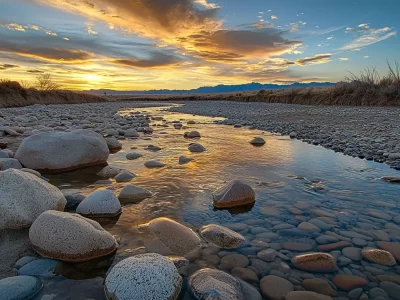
(254, 86)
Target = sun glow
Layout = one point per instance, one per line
(92, 77)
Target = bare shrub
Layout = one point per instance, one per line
(44, 82)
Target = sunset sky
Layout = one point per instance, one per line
(184, 44)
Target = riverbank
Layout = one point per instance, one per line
(366, 132)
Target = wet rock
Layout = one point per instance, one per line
(355, 294)
(24, 260)
(196, 148)
(20, 287)
(179, 239)
(63, 151)
(133, 156)
(113, 144)
(391, 288)
(326, 239)
(39, 267)
(244, 274)
(304, 295)
(319, 286)
(108, 172)
(131, 133)
(392, 278)
(333, 246)
(101, 203)
(267, 255)
(391, 179)
(9, 163)
(222, 236)
(124, 176)
(70, 237)
(275, 288)
(378, 292)
(73, 201)
(133, 193)
(315, 262)
(305, 226)
(349, 282)
(379, 256)
(181, 263)
(293, 135)
(233, 260)
(393, 248)
(152, 164)
(257, 141)
(359, 242)
(297, 246)
(144, 276)
(215, 284)
(352, 253)
(233, 194)
(184, 160)
(24, 197)
(191, 134)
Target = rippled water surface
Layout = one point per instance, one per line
(294, 182)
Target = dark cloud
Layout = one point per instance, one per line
(156, 59)
(35, 71)
(7, 66)
(319, 58)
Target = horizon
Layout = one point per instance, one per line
(186, 44)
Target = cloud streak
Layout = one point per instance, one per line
(367, 36)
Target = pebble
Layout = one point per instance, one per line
(275, 288)
(315, 262)
(319, 285)
(233, 260)
(348, 282)
(19, 287)
(352, 253)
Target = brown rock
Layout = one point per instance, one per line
(349, 282)
(391, 179)
(245, 274)
(275, 288)
(393, 248)
(3, 145)
(391, 278)
(333, 246)
(319, 286)
(231, 261)
(233, 194)
(379, 256)
(302, 295)
(315, 262)
(297, 246)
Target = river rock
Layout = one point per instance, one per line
(221, 236)
(9, 163)
(233, 260)
(144, 276)
(70, 237)
(113, 144)
(297, 246)
(179, 239)
(151, 164)
(39, 267)
(379, 256)
(257, 141)
(124, 176)
(63, 151)
(352, 253)
(133, 156)
(20, 287)
(275, 288)
(234, 193)
(333, 246)
(196, 148)
(24, 196)
(131, 133)
(305, 226)
(391, 288)
(108, 172)
(184, 160)
(315, 262)
(133, 193)
(191, 134)
(319, 285)
(304, 295)
(393, 248)
(215, 284)
(267, 255)
(101, 203)
(348, 282)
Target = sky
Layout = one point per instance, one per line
(185, 44)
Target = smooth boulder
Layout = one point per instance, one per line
(315, 262)
(196, 148)
(233, 194)
(133, 193)
(70, 237)
(101, 203)
(221, 236)
(144, 276)
(63, 151)
(24, 196)
(19, 287)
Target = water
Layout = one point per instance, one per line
(286, 174)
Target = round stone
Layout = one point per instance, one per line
(154, 164)
(124, 176)
(348, 282)
(233, 260)
(319, 286)
(24, 196)
(133, 156)
(101, 203)
(133, 193)
(20, 287)
(275, 288)
(315, 262)
(108, 172)
(184, 160)
(267, 255)
(257, 141)
(352, 253)
(379, 256)
(245, 274)
(222, 236)
(70, 237)
(144, 276)
(177, 238)
(233, 194)
(304, 295)
(196, 148)
(192, 134)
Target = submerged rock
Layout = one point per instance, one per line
(348, 282)
(133, 193)
(108, 172)
(303, 295)
(234, 193)
(196, 148)
(221, 236)
(144, 276)
(23, 197)
(101, 203)
(152, 164)
(257, 141)
(315, 262)
(70, 237)
(191, 134)
(20, 287)
(379, 256)
(124, 176)
(184, 160)
(63, 151)
(275, 288)
(133, 156)
(177, 238)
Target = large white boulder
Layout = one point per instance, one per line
(63, 151)
(144, 276)
(70, 237)
(24, 196)
(101, 203)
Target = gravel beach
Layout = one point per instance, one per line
(372, 133)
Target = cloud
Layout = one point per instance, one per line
(156, 59)
(366, 56)
(368, 36)
(13, 26)
(35, 71)
(206, 4)
(7, 66)
(316, 59)
(343, 58)
(274, 17)
(24, 28)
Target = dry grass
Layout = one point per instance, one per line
(12, 94)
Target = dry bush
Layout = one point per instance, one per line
(44, 82)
